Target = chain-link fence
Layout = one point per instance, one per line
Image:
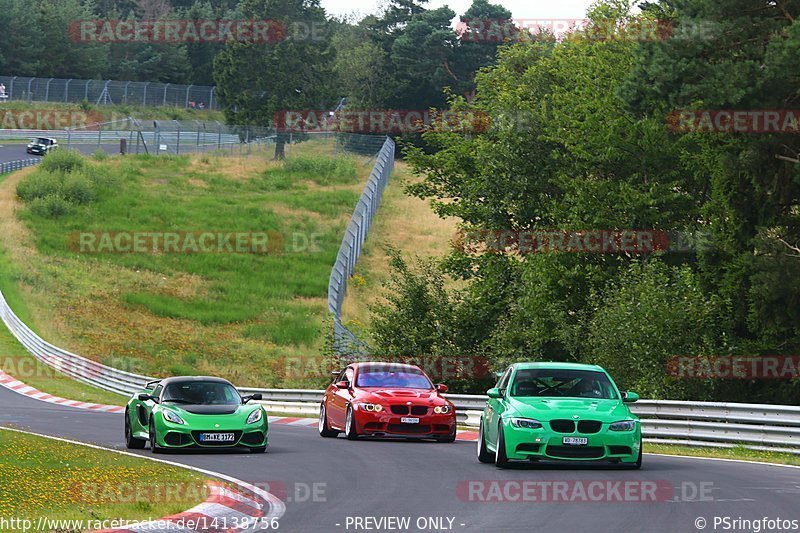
(350, 250)
(101, 92)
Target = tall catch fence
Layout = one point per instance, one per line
(104, 92)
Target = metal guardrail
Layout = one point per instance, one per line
(12, 166)
(353, 241)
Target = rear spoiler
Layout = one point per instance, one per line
(152, 384)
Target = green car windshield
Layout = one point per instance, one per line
(202, 393)
(560, 383)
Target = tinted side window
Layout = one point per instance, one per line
(157, 391)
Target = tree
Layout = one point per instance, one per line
(257, 80)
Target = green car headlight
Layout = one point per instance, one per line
(173, 417)
(255, 416)
(527, 423)
(624, 425)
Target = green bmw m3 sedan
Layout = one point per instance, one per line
(560, 412)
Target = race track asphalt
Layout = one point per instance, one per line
(422, 479)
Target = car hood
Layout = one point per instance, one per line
(404, 395)
(209, 409)
(553, 408)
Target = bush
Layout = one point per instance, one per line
(77, 188)
(63, 161)
(50, 206)
(99, 155)
(39, 184)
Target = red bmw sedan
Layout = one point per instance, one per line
(386, 400)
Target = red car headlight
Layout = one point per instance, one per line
(442, 409)
(371, 407)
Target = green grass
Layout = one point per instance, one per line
(738, 452)
(231, 314)
(81, 483)
(114, 112)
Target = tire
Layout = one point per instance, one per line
(638, 464)
(131, 442)
(500, 457)
(153, 438)
(448, 438)
(350, 430)
(484, 455)
(324, 428)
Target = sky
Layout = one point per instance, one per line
(520, 9)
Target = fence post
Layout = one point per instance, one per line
(47, 90)
(30, 94)
(66, 91)
(144, 95)
(11, 88)
(165, 94)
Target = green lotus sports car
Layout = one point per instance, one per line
(194, 412)
(559, 411)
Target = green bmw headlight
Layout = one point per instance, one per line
(173, 417)
(624, 425)
(255, 416)
(527, 423)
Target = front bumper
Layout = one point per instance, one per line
(546, 444)
(389, 424)
(180, 436)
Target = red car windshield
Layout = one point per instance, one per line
(393, 379)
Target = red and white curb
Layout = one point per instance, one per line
(246, 505)
(19, 387)
(224, 507)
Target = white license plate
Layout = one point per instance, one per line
(576, 441)
(217, 437)
(409, 420)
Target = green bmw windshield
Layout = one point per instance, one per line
(560, 383)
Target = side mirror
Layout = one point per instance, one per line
(145, 397)
(494, 393)
(629, 397)
(441, 387)
(257, 396)
(342, 385)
